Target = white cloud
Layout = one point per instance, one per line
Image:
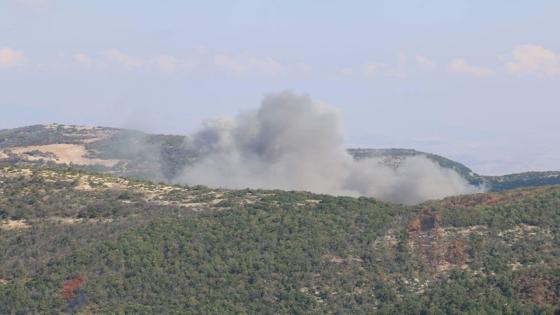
(346, 71)
(127, 61)
(372, 68)
(424, 63)
(378, 69)
(534, 60)
(460, 65)
(161, 63)
(10, 58)
(368, 69)
(245, 65)
(400, 71)
(168, 64)
(85, 60)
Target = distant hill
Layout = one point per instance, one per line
(394, 156)
(73, 241)
(161, 157)
(81, 230)
(494, 183)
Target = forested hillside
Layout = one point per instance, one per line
(72, 241)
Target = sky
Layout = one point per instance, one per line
(475, 81)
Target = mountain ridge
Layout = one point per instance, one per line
(160, 157)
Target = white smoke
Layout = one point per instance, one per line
(294, 143)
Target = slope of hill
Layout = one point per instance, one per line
(494, 183)
(394, 156)
(161, 157)
(88, 243)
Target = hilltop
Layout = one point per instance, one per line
(136, 154)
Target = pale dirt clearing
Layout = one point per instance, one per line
(70, 221)
(65, 153)
(9, 225)
(72, 127)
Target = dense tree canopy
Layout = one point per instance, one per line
(79, 242)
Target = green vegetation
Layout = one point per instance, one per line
(392, 156)
(493, 183)
(145, 248)
(43, 135)
(527, 179)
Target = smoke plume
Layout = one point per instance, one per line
(291, 142)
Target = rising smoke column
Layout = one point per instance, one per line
(291, 142)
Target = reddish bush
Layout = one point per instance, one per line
(457, 252)
(69, 287)
(414, 225)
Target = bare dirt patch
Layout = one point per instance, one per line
(116, 186)
(71, 221)
(338, 260)
(10, 225)
(71, 127)
(64, 153)
(66, 221)
(83, 186)
(11, 173)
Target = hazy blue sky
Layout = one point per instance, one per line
(477, 81)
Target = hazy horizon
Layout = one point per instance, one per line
(473, 81)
